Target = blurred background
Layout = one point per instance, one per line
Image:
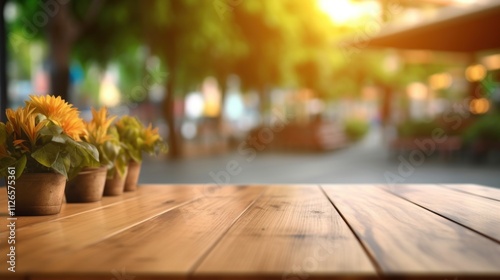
(281, 91)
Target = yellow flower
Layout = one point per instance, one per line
(151, 136)
(32, 129)
(100, 118)
(14, 118)
(22, 124)
(59, 112)
(97, 129)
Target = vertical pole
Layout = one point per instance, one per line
(3, 62)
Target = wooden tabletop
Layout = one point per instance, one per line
(265, 232)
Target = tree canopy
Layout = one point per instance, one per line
(287, 43)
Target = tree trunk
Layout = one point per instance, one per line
(3, 63)
(60, 79)
(174, 145)
(61, 36)
(174, 141)
(63, 32)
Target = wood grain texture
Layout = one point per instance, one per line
(37, 244)
(473, 211)
(406, 239)
(289, 232)
(71, 209)
(169, 244)
(264, 232)
(486, 192)
(109, 276)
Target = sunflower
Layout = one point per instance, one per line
(97, 128)
(24, 126)
(31, 128)
(60, 113)
(14, 118)
(101, 118)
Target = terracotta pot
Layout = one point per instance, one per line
(39, 194)
(87, 186)
(115, 186)
(134, 169)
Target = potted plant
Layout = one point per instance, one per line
(116, 175)
(137, 139)
(88, 186)
(42, 141)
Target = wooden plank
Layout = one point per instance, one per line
(478, 213)
(37, 243)
(12, 276)
(169, 244)
(287, 232)
(406, 239)
(67, 209)
(115, 275)
(70, 209)
(487, 192)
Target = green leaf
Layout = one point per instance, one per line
(51, 130)
(5, 163)
(53, 156)
(47, 155)
(136, 155)
(53, 133)
(20, 165)
(90, 149)
(61, 165)
(75, 156)
(107, 153)
(59, 139)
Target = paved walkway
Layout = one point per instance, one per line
(366, 162)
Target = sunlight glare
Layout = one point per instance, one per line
(343, 11)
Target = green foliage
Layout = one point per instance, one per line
(356, 129)
(138, 139)
(417, 128)
(487, 127)
(35, 142)
(109, 152)
(130, 131)
(115, 151)
(53, 152)
(267, 43)
(102, 135)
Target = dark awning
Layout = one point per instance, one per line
(465, 29)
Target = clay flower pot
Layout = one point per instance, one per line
(39, 194)
(134, 169)
(115, 185)
(88, 186)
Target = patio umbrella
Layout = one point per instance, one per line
(456, 29)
